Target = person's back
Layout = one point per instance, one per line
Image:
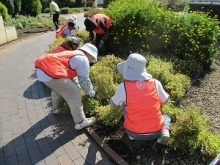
(142, 98)
(71, 43)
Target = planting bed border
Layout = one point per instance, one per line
(108, 150)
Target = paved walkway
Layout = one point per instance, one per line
(29, 132)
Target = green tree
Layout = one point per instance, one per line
(9, 5)
(31, 7)
(3, 11)
(17, 7)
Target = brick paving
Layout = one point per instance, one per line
(29, 132)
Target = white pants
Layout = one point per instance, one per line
(70, 92)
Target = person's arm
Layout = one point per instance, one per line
(81, 65)
(86, 85)
(163, 95)
(105, 29)
(91, 36)
(119, 98)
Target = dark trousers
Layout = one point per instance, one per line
(107, 44)
(56, 20)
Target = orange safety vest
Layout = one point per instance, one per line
(59, 32)
(57, 65)
(143, 107)
(58, 48)
(97, 18)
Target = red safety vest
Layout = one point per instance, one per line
(97, 18)
(143, 107)
(59, 32)
(58, 48)
(57, 65)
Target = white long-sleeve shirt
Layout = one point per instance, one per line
(53, 7)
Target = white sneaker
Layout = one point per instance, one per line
(56, 111)
(164, 137)
(87, 122)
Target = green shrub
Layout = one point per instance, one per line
(9, 4)
(186, 38)
(92, 11)
(175, 5)
(65, 10)
(47, 10)
(90, 4)
(191, 132)
(105, 84)
(23, 21)
(175, 84)
(31, 7)
(3, 11)
(172, 110)
(90, 105)
(109, 116)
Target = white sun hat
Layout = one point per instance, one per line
(134, 68)
(90, 49)
(72, 19)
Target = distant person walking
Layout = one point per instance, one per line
(55, 11)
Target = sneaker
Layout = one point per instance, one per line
(164, 137)
(87, 122)
(56, 111)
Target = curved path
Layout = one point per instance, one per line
(29, 132)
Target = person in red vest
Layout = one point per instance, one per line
(57, 70)
(141, 97)
(68, 28)
(71, 43)
(99, 24)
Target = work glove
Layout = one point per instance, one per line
(101, 45)
(92, 94)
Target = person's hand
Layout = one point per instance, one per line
(92, 94)
(101, 45)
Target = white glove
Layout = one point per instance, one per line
(92, 94)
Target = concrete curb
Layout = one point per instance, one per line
(111, 153)
(20, 39)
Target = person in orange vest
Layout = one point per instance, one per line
(68, 28)
(99, 24)
(71, 43)
(141, 97)
(57, 70)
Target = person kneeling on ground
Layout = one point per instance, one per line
(68, 29)
(141, 97)
(57, 70)
(70, 43)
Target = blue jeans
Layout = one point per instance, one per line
(150, 136)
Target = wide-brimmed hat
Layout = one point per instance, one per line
(90, 49)
(134, 68)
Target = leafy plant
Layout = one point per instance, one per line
(3, 11)
(192, 132)
(175, 84)
(109, 116)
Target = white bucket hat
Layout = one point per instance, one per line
(72, 19)
(134, 68)
(91, 49)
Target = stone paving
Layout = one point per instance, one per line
(29, 132)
